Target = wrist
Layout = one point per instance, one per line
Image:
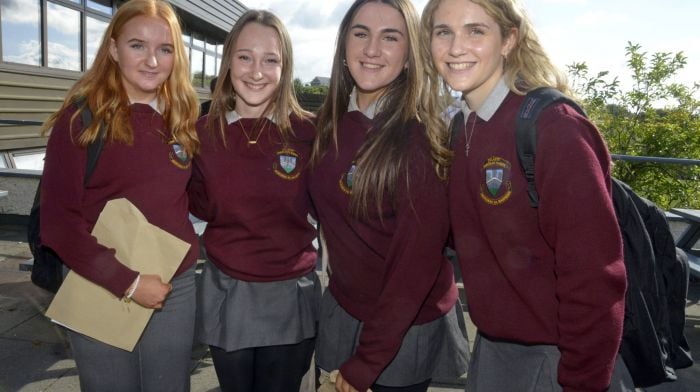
(132, 289)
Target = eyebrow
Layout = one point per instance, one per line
(383, 31)
(466, 25)
(264, 54)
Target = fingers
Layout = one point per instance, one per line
(152, 292)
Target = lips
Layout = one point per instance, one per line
(370, 65)
(460, 66)
(256, 87)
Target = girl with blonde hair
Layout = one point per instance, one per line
(138, 90)
(388, 319)
(259, 294)
(545, 287)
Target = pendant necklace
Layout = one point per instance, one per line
(247, 136)
(468, 137)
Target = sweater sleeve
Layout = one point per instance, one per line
(577, 217)
(64, 228)
(414, 261)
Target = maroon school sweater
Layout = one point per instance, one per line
(389, 275)
(255, 200)
(141, 173)
(552, 275)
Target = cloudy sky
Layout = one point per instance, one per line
(591, 31)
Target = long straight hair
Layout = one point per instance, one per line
(106, 96)
(283, 101)
(526, 67)
(383, 157)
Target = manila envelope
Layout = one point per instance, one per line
(90, 309)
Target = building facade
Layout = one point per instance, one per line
(45, 45)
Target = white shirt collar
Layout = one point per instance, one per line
(232, 117)
(371, 110)
(491, 103)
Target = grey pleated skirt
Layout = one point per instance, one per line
(434, 350)
(233, 314)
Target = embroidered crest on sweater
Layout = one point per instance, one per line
(496, 187)
(178, 156)
(286, 164)
(345, 181)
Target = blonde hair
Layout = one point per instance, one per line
(105, 96)
(283, 101)
(526, 67)
(383, 156)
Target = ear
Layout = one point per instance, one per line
(113, 50)
(509, 42)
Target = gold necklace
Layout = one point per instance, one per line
(468, 138)
(247, 136)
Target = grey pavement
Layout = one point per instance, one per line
(35, 356)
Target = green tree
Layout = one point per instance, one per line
(655, 117)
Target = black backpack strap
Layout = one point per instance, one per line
(95, 148)
(456, 125)
(526, 132)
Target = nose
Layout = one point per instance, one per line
(152, 59)
(256, 74)
(372, 47)
(458, 45)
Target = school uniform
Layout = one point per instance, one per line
(144, 173)
(259, 294)
(545, 286)
(388, 317)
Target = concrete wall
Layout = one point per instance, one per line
(21, 186)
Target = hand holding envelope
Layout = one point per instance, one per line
(92, 310)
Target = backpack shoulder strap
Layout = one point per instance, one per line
(95, 148)
(455, 126)
(526, 132)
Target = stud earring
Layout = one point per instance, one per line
(345, 63)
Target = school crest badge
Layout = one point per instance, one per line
(286, 164)
(178, 156)
(346, 179)
(496, 186)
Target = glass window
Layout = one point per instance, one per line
(196, 67)
(3, 160)
(197, 43)
(63, 34)
(29, 160)
(21, 31)
(209, 69)
(95, 30)
(186, 38)
(104, 6)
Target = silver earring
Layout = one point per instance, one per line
(345, 63)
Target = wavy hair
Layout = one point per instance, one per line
(283, 101)
(107, 99)
(526, 67)
(383, 157)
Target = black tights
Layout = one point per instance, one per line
(263, 369)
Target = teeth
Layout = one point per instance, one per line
(460, 66)
(371, 66)
(255, 86)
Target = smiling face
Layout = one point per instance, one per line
(376, 50)
(144, 51)
(256, 68)
(468, 49)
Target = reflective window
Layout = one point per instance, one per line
(209, 69)
(197, 43)
(104, 6)
(21, 31)
(63, 35)
(95, 30)
(3, 161)
(196, 67)
(29, 160)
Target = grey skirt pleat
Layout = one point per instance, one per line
(233, 314)
(434, 350)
